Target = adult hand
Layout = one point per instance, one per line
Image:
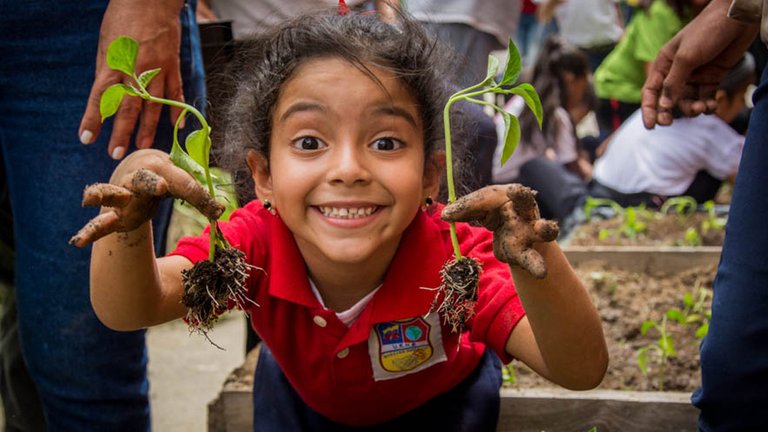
(691, 65)
(131, 197)
(205, 12)
(156, 26)
(510, 211)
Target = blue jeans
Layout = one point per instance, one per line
(89, 377)
(734, 355)
(471, 406)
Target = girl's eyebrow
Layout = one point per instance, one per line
(302, 106)
(390, 110)
(395, 110)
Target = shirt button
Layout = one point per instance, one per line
(343, 353)
(320, 321)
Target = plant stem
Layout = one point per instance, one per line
(205, 130)
(449, 173)
(214, 231)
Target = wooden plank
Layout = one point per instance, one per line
(232, 411)
(645, 258)
(534, 410)
(538, 410)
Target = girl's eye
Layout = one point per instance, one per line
(386, 144)
(308, 143)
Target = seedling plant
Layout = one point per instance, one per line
(713, 221)
(632, 218)
(663, 348)
(460, 276)
(694, 311)
(684, 207)
(209, 286)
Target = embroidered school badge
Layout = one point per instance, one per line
(399, 348)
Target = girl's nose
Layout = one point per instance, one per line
(349, 165)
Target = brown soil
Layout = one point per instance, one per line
(662, 230)
(625, 300)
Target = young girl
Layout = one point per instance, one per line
(336, 118)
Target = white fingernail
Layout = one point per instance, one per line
(118, 153)
(86, 137)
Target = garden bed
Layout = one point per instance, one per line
(659, 230)
(626, 299)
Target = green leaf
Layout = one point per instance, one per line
(182, 160)
(668, 346)
(511, 135)
(121, 55)
(676, 314)
(647, 325)
(146, 77)
(692, 237)
(688, 299)
(111, 98)
(198, 144)
(528, 93)
(642, 360)
(702, 331)
(514, 65)
(692, 318)
(493, 69)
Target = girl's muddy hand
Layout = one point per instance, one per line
(137, 186)
(510, 211)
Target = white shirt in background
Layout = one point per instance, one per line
(665, 160)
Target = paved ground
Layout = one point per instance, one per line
(186, 372)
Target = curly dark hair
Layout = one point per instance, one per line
(247, 91)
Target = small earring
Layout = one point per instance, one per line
(427, 203)
(269, 208)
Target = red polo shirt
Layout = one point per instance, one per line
(392, 359)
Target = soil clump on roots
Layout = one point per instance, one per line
(460, 279)
(211, 287)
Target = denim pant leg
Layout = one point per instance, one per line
(89, 378)
(734, 355)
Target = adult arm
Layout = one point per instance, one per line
(561, 336)
(155, 24)
(691, 65)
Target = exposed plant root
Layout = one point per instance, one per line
(209, 287)
(460, 280)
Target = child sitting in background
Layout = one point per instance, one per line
(337, 121)
(692, 156)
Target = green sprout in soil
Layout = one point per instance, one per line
(663, 347)
(632, 218)
(713, 222)
(508, 374)
(684, 206)
(209, 286)
(695, 311)
(460, 276)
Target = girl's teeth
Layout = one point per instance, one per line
(347, 213)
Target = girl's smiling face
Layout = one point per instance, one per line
(346, 169)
